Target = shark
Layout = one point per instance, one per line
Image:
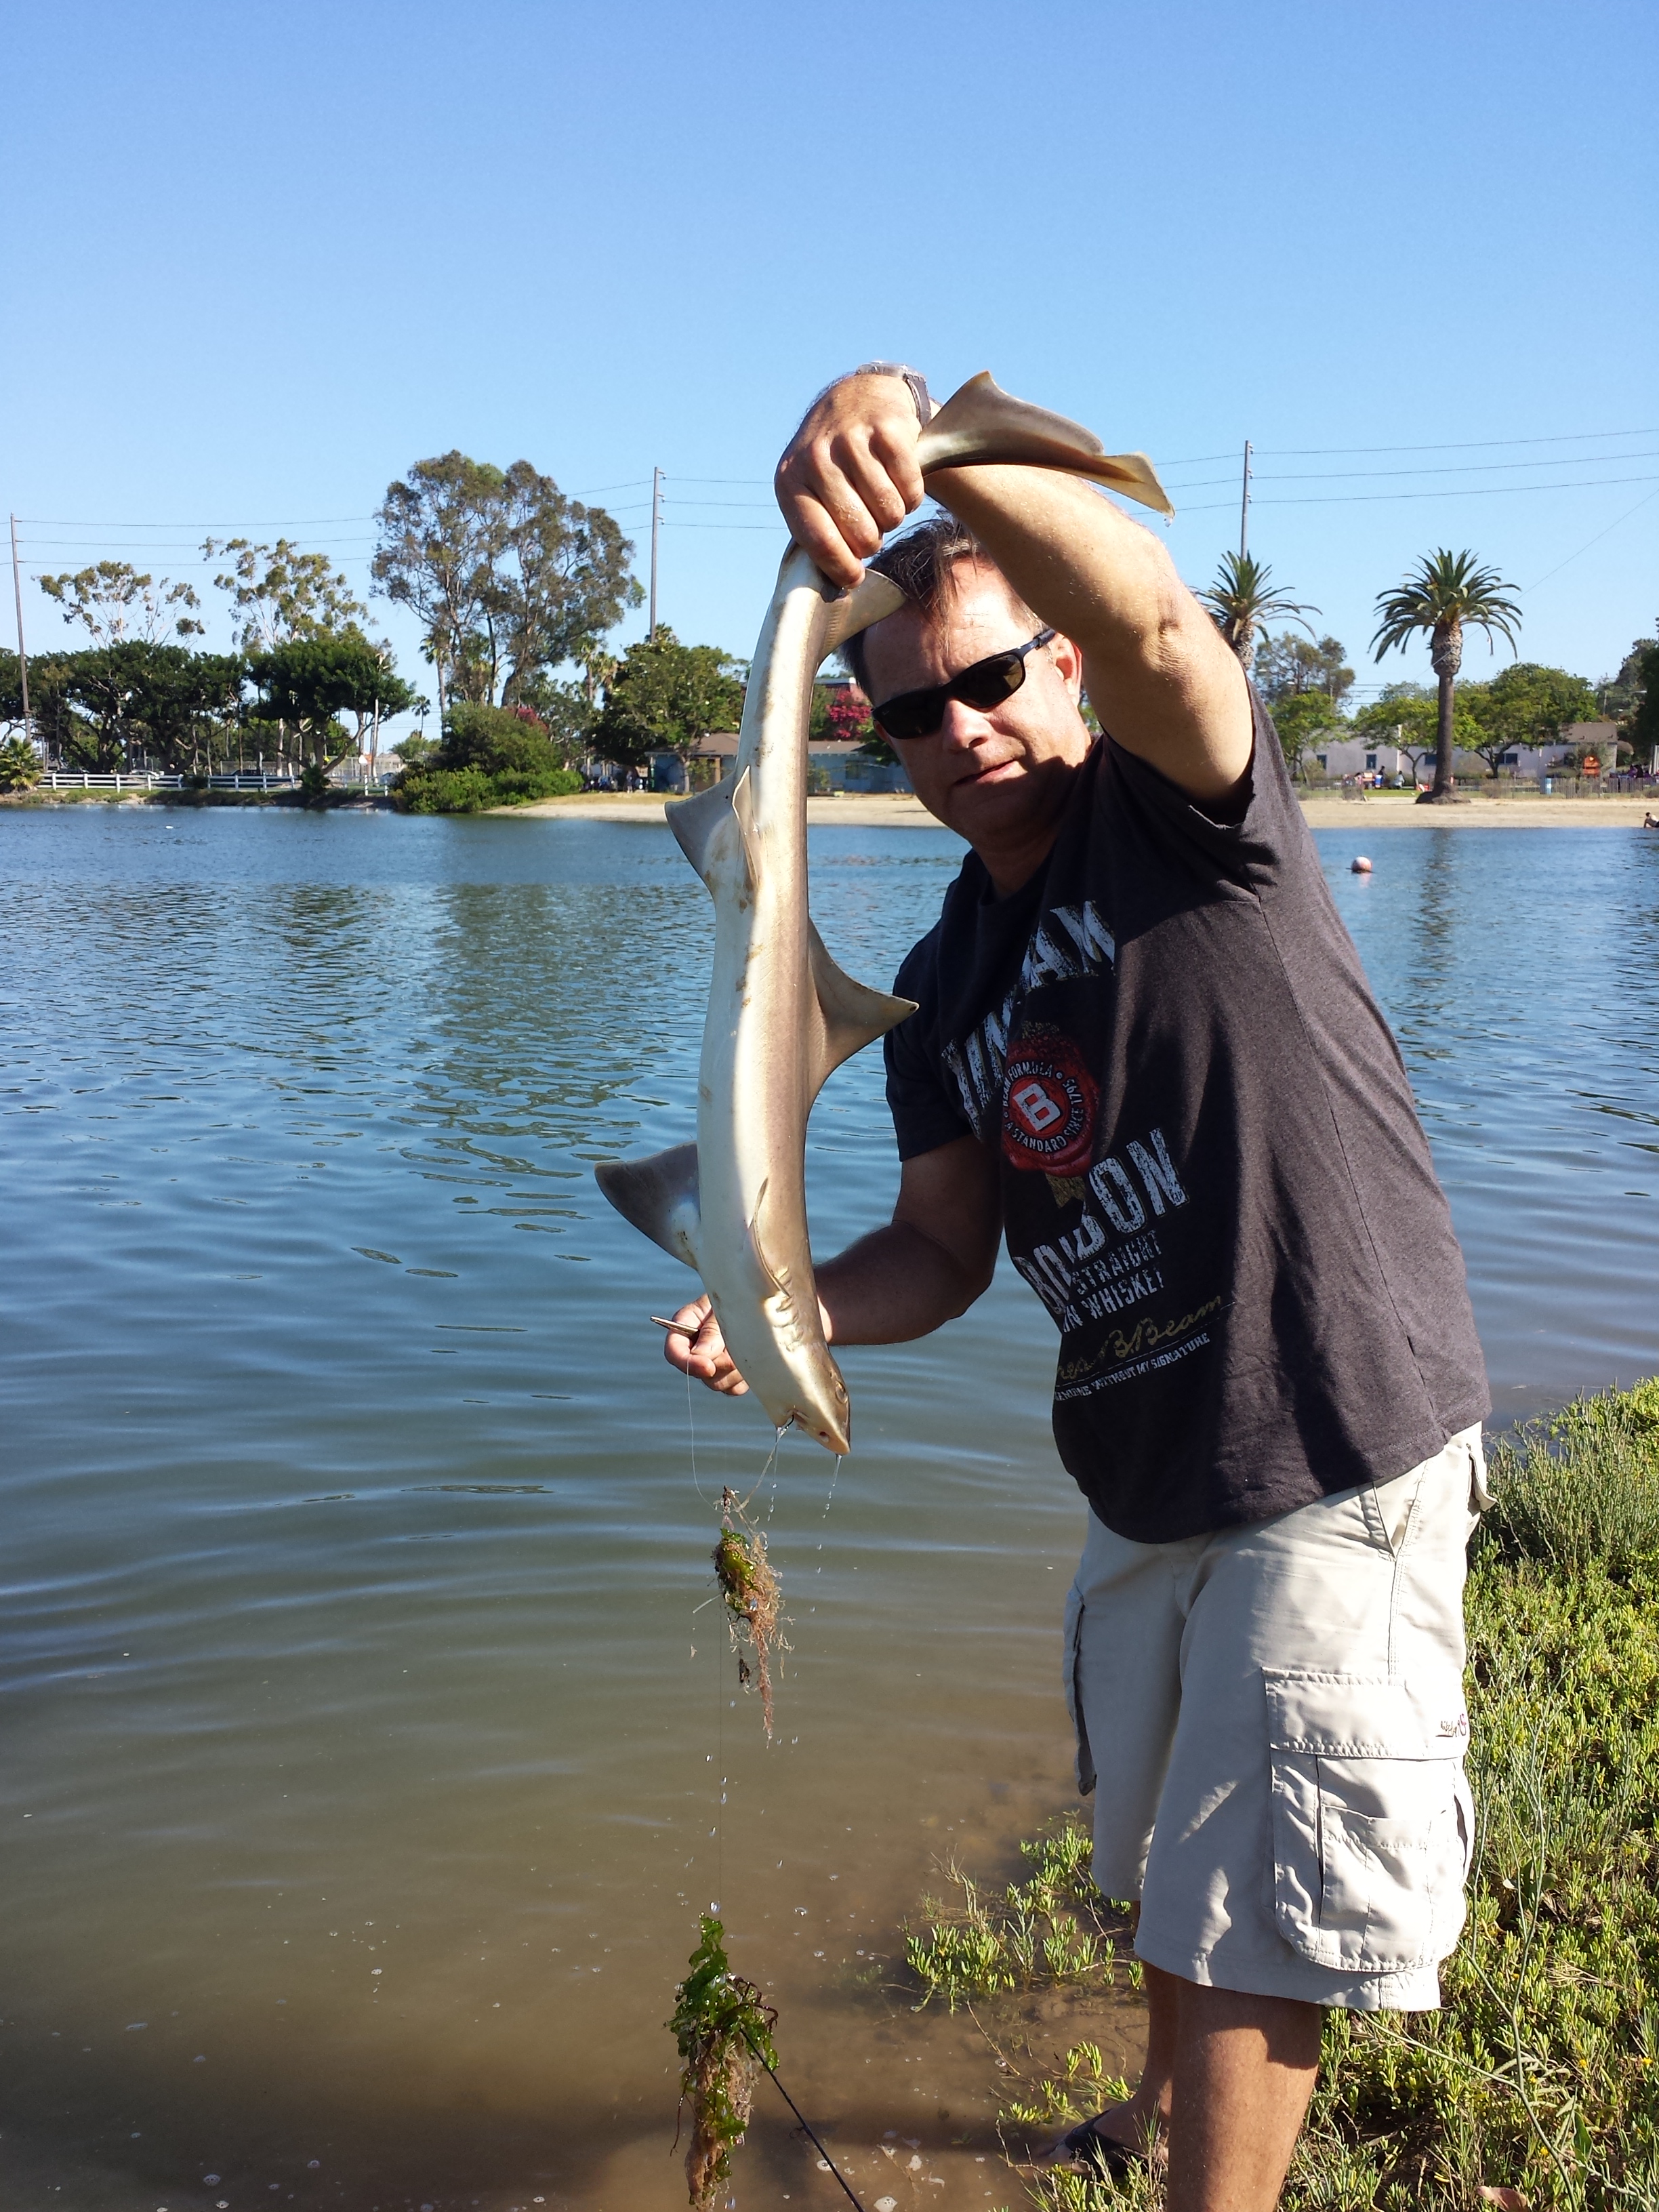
(781, 1015)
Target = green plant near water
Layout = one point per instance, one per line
(723, 2028)
(1540, 2074)
(1054, 1926)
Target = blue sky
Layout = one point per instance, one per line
(258, 259)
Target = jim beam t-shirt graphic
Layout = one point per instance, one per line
(1259, 1296)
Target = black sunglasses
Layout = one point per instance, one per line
(985, 686)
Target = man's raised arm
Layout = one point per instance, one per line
(1161, 677)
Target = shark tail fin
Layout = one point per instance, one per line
(658, 1195)
(850, 1015)
(983, 423)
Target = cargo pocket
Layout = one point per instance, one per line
(1372, 1820)
(1073, 1642)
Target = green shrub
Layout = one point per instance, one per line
(490, 756)
(499, 740)
(1053, 1927)
(20, 765)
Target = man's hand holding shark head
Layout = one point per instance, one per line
(1140, 1046)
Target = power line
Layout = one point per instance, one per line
(1450, 446)
(1463, 468)
(298, 522)
(1439, 491)
(155, 545)
(1596, 540)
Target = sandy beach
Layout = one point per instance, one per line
(857, 810)
(1390, 810)
(1379, 810)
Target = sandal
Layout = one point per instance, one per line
(1085, 2150)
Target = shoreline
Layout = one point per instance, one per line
(1387, 810)
(1381, 810)
(900, 810)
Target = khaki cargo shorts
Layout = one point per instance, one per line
(1276, 1716)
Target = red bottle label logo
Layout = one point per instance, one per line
(1048, 1101)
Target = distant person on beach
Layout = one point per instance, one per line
(1145, 1054)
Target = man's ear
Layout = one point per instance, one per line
(1068, 660)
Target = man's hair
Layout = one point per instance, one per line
(920, 563)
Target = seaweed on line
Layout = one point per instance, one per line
(753, 1598)
(723, 2027)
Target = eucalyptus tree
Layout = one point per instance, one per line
(1286, 666)
(1447, 594)
(508, 577)
(1242, 602)
(116, 605)
(278, 593)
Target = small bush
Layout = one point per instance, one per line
(1583, 1490)
(1053, 1927)
(20, 765)
(490, 756)
(445, 791)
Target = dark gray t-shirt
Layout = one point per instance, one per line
(1213, 1172)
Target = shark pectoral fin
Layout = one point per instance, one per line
(870, 601)
(695, 821)
(696, 824)
(658, 1195)
(983, 423)
(851, 1015)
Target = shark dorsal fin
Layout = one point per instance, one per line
(850, 1015)
(983, 423)
(658, 1195)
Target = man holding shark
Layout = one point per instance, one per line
(1146, 1054)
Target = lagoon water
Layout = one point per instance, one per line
(370, 1739)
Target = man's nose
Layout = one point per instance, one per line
(962, 726)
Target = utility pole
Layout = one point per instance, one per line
(22, 656)
(656, 531)
(1244, 507)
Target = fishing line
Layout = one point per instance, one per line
(805, 2125)
(771, 1461)
(807, 2130)
(691, 1432)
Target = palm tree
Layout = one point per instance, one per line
(1242, 601)
(1447, 592)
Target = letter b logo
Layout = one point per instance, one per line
(1037, 1109)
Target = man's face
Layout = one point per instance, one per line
(997, 777)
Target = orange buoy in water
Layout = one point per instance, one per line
(1359, 866)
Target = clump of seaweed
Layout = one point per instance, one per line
(753, 1599)
(723, 2026)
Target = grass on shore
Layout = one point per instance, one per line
(1540, 2074)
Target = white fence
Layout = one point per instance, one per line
(247, 779)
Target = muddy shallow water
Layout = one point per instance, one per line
(366, 1719)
